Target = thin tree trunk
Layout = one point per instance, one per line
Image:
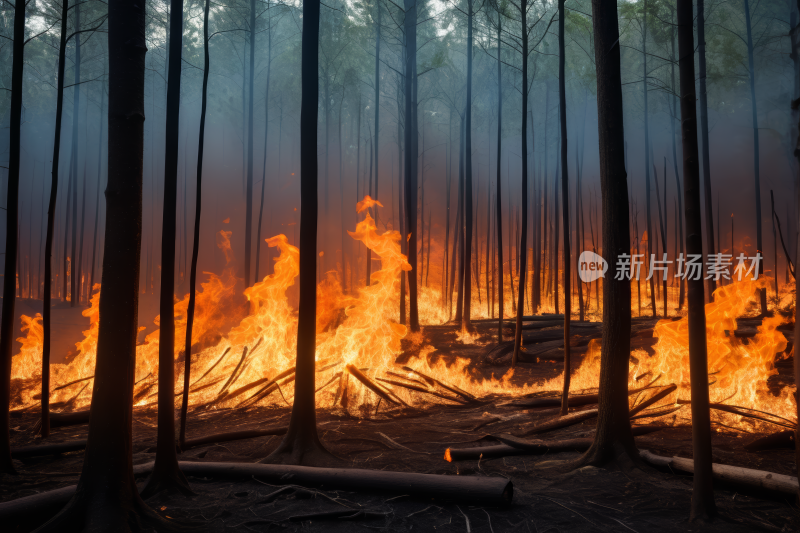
(756, 166)
(301, 444)
(703, 506)
(75, 114)
(562, 99)
(703, 97)
(264, 175)
(498, 190)
(97, 194)
(196, 237)
(166, 474)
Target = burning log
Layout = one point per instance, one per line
(781, 439)
(336, 376)
(513, 445)
(735, 475)
(422, 390)
(371, 385)
(452, 388)
(48, 449)
(414, 381)
(269, 382)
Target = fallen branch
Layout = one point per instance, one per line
(233, 435)
(561, 422)
(268, 382)
(736, 475)
(234, 375)
(368, 383)
(653, 399)
(513, 445)
(422, 390)
(452, 388)
(65, 385)
(736, 410)
(207, 372)
(574, 401)
(48, 449)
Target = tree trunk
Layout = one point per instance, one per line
(460, 238)
(79, 271)
(562, 109)
(264, 175)
(498, 190)
(411, 149)
(75, 114)
(703, 506)
(613, 440)
(301, 445)
(196, 237)
(524, 147)
(106, 498)
(166, 474)
(12, 235)
(97, 194)
(752, 72)
(248, 224)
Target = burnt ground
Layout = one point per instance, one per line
(548, 496)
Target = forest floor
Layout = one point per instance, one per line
(548, 496)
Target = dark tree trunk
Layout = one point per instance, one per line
(703, 506)
(264, 175)
(647, 193)
(411, 149)
(166, 474)
(468, 204)
(756, 166)
(562, 111)
(97, 194)
(248, 224)
(498, 191)
(523, 12)
(613, 439)
(301, 445)
(75, 114)
(106, 498)
(64, 253)
(80, 247)
(51, 214)
(12, 235)
(196, 238)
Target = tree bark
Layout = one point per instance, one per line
(756, 165)
(106, 498)
(703, 505)
(97, 194)
(12, 235)
(76, 105)
(264, 175)
(498, 189)
(411, 149)
(301, 445)
(196, 237)
(613, 439)
(248, 224)
(166, 474)
(562, 98)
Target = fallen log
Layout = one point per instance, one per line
(39, 507)
(412, 380)
(781, 439)
(561, 422)
(469, 489)
(513, 445)
(60, 420)
(452, 388)
(233, 435)
(482, 490)
(48, 449)
(574, 401)
(735, 475)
